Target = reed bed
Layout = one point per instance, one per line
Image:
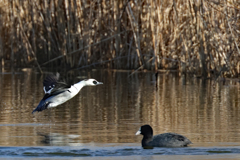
(193, 36)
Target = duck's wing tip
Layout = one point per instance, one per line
(35, 110)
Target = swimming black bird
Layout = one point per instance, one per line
(161, 140)
(57, 93)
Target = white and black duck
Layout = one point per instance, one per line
(161, 140)
(57, 93)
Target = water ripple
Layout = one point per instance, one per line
(109, 151)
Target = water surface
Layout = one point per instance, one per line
(102, 120)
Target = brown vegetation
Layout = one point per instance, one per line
(195, 36)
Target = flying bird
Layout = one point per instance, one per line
(57, 93)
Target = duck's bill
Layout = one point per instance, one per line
(138, 132)
(99, 83)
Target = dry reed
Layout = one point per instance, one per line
(198, 37)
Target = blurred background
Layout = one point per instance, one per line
(198, 37)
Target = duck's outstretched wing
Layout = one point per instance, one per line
(50, 82)
(52, 86)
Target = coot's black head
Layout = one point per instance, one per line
(145, 130)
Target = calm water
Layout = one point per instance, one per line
(102, 120)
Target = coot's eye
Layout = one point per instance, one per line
(94, 82)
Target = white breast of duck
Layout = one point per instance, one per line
(71, 92)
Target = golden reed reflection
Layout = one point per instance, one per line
(113, 112)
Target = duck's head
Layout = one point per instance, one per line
(91, 82)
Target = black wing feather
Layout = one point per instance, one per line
(53, 94)
(51, 82)
(41, 107)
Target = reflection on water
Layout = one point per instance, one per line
(113, 112)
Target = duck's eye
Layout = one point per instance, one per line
(94, 82)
